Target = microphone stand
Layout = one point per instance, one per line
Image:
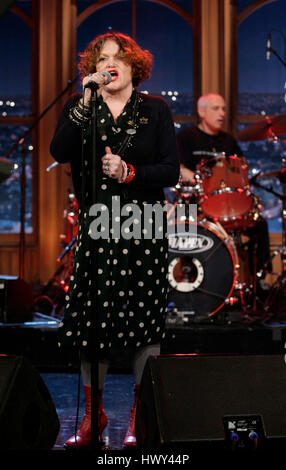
(270, 49)
(22, 210)
(280, 282)
(95, 444)
(21, 141)
(277, 55)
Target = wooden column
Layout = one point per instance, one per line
(218, 51)
(230, 69)
(197, 50)
(210, 47)
(56, 57)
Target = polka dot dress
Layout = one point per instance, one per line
(125, 307)
(118, 290)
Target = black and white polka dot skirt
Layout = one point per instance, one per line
(126, 307)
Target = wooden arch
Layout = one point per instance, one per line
(166, 3)
(247, 11)
(19, 12)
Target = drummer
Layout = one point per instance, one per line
(205, 141)
(207, 138)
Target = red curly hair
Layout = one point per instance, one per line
(139, 59)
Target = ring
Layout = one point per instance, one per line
(106, 167)
(90, 74)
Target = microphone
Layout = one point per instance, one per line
(94, 86)
(268, 47)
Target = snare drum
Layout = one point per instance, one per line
(225, 184)
(186, 192)
(203, 268)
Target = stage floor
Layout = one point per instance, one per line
(36, 339)
(63, 388)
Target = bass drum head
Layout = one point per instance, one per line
(202, 270)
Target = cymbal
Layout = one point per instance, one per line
(267, 128)
(6, 168)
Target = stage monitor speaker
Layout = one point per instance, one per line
(16, 299)
(28, 418)
(213, 400)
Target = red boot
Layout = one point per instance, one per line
(130, 438)
(83, 435)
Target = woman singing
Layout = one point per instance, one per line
(136, 158)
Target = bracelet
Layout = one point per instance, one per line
(78, 116)
(130, 173)
(123, 173)
(84, 111)
(84, 106)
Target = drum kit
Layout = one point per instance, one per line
(6, 168)
(208, 276)
(51, 298)
(208, 268)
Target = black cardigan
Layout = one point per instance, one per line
(153, 152)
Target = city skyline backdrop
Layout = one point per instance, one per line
(170, 40)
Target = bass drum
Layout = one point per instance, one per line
(203, 267)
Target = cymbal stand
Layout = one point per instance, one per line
(282, 179)
(280, 283)
(247, 296)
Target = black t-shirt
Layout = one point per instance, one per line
(194, 144)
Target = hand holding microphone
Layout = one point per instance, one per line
(93, 81)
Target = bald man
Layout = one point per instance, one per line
(207, 138)
(203, 141)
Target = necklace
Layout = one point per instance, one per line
(130, 131)
(126, 128)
